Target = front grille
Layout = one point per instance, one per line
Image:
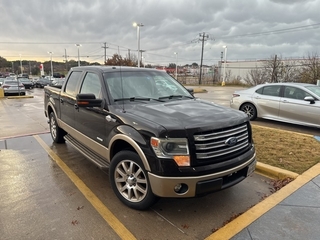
(212, 145)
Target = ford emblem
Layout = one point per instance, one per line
(231, 141)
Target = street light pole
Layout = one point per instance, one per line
(78, 45)
(224, 66)
(51, 67)
(176, 65)
(138, 25)
(20, 65)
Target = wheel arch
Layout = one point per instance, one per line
(122, 142)
(50, 109)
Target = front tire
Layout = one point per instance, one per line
(57, 133)
(129, 181)
(250, 110)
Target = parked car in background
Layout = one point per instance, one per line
(57, 82)
(1, 81)
(13, 87)
(41, 82)
(58, 75)
(11, 78)
(28, 84)
(23, 75)
(297, 103)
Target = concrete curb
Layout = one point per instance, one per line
(16, 97)
(274, 172)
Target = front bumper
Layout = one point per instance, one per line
(199, 185)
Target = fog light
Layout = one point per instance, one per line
(181, 188)
(177, 187)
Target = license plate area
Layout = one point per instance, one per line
(251, 167)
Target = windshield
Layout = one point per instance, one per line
(145, 84)
(314, 89)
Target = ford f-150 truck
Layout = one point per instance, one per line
(152, 135)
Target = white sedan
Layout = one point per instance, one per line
(297, 103)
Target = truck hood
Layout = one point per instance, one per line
(188, 114)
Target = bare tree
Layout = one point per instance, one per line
(272, 68)
(310, 71)
(256, 76)
(288, 71)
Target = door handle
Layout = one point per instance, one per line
(61, 100)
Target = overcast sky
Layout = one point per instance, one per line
(251, 29)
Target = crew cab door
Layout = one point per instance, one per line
(90, 121)
(294, 108)
(68, 98)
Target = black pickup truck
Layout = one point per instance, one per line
(152, 135)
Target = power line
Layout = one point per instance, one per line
(293, 29)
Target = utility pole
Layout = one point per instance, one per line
(129, 54)
(204, 37)
(221, 66)
(66, 58)
(105, 52)
(274, 69)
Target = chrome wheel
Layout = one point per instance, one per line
(131, 181)
(57, 133)
(53, 126)
(250, 110)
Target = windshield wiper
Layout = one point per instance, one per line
(175, 96)
(131, 99)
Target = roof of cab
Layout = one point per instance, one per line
(104, 68)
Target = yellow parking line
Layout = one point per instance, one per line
(117, 226)
(244, 220)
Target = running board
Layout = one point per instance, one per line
(87, 152)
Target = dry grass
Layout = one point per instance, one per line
(286, 150)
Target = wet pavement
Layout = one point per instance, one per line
(42, 200)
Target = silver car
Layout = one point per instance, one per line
(13, 87)
(297, 103)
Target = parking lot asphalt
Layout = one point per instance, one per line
(51, 191)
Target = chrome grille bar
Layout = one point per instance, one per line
(212, 144)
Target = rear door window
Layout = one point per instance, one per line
(269, 90)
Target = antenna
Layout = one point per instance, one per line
(121, 81)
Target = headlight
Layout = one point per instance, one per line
(175, 148)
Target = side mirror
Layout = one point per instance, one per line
(309, 99)
(190, 90)
(88, 100)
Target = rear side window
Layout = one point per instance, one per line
(269, 90)
(72, 83)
